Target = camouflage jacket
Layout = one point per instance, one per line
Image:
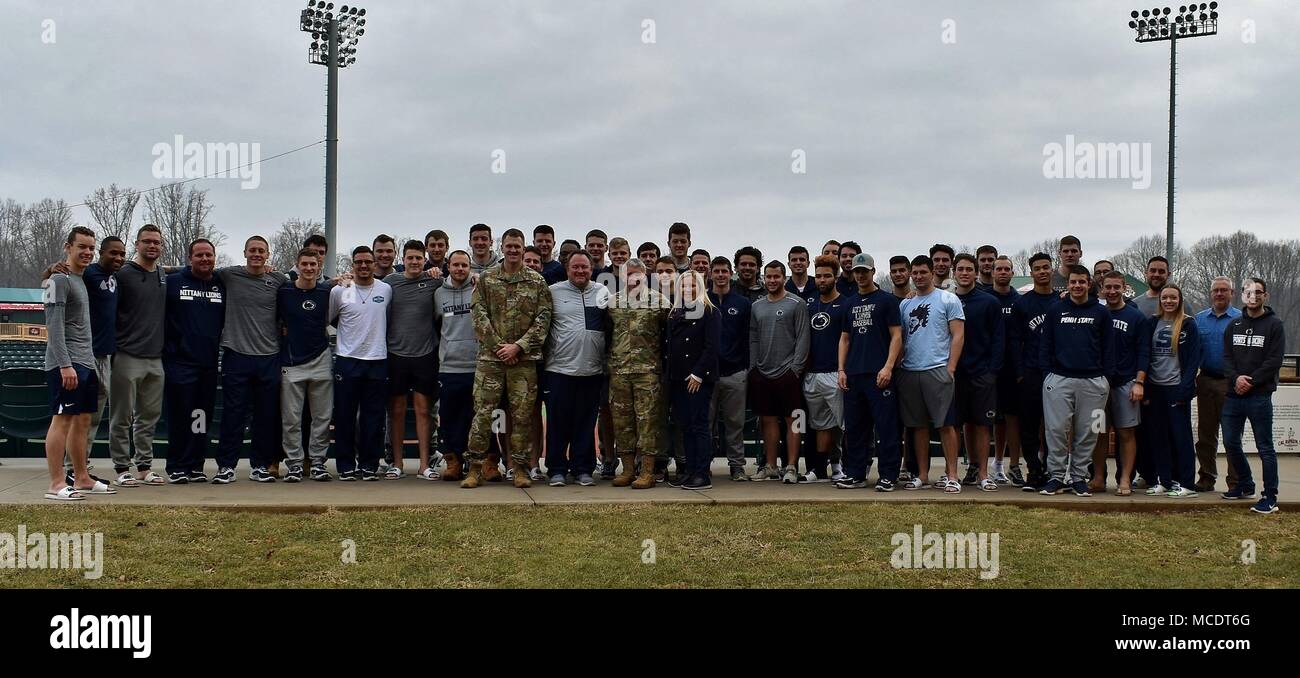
(511, 309)
(638, 331)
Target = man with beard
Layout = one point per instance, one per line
(748, 260)
(821, 387)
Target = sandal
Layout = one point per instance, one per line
(430, 474)
(152, 478)
(988, 485)
(393, 473)
(952, 487)
(914, 484)
(100, 487)
(65, 494)
(127, 479)
(1123, 492)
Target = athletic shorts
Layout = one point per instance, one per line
(977, 400)
(926, 398)
(779, 397)
(413, 374)
(1123, 412)
(84, 399)
(821, 390)
(1008, 394)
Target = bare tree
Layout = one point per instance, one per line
(1020, 260)
(182, 214)
(11, 237)
(1133, 260)
(113, 209)
(288, 240)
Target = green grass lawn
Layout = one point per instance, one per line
(790, 545)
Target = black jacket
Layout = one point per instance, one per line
(693, 344)
(1254, 347)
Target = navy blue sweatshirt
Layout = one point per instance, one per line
(1078, 341)
(304, 315)
(1027, 317)
(196, 314)
(1253, 347)
(101, 289)
(1007, 301)
(733, 347)
(553, 272)
(1132, 351)
(985, 341)
(1189, 356)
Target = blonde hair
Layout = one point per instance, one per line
(1177, 329)
(701, 291)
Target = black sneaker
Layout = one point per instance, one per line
(1080, 489)
(972, 475)
(884, 485)
(293, 475)
(1033, 483)
(1017, 478)
(1055, 486)
(679, 480)
(1265, 505)
(224, 476)
(368, 475)
(198, 477)
(178, 477)
(261, 475)
(320, 473)
(697, 483)
(850, 483)
(1239, 492)
(609, 469)
(348, 476)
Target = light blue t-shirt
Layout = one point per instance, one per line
(926, 339)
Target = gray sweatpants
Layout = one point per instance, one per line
(729, 403)
(135, 403)
(315, 381)
(103, 373)
(1072, 405)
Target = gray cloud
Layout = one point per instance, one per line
(908, 140)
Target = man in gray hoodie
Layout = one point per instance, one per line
(457, 358)
(576, 349)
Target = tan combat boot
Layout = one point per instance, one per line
(522, 478)
(646, 478)
(455, 468)
(492, 468)
(475, 477)
(626, 473)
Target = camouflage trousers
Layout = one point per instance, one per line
(518, 383)
(637, 403)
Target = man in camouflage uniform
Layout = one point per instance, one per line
(635, 395)
(512, 315)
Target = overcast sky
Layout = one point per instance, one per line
(909, 138)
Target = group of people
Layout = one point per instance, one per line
(654, 359)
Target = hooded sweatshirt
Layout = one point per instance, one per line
(457, 345)
(1254, 347)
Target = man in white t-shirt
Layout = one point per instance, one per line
(361, 369)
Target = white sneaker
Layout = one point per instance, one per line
(791, 475)
(1156, 490)
(1179, 491)
(510, 474)
(536, 474)
(837, 473)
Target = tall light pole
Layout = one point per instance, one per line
(1154, 25)
(334, 45)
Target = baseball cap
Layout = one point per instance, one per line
(863, 260)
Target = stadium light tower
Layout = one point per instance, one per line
(1154, 25)
(334, 38)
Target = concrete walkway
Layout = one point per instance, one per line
(23, 481)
